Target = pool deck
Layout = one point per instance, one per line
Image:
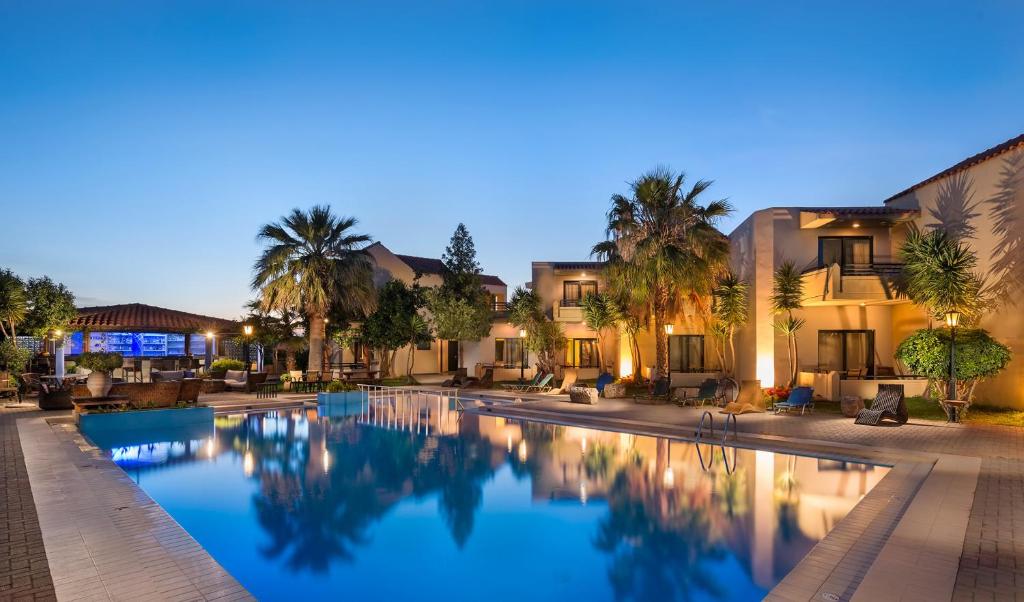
(946, 523)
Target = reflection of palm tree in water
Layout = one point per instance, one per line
(1006, 208)
(657, 540)
(313, 518)
(955, 207)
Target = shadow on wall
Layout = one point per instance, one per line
(1006, 208)
(955, 207)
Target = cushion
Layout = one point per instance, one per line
(235, 375)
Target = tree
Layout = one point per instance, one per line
(51, 306)
(939, 275)
(730, 312)
(313, 261)
(544, 336)
(461, 308)
(600, 312)
(787, 296)
(978, 356)
(663, 244)
(393, 323)
(13, 304)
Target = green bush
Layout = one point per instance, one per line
(12, 358)
(337, 386)
(225, 363)
(978, 356)
(100, 361)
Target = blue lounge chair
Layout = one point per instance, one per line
(800, 398)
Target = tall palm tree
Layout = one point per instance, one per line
(663, 246)
(729, 308)
(600, 312)
(314, 261)
(787, 296)
(13, 304)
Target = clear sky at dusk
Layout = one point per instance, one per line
(143, 143)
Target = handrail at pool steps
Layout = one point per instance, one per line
(371, 391)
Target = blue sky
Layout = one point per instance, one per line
(143, 143)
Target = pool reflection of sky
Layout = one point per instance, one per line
(337, 508)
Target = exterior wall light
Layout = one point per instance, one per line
(669, 328)
(522, 333)
(209, 334)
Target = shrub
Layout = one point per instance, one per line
(337, 386)
(100, 361)
(286, 377)
(978, 356)
(12, 358)
(225, 363)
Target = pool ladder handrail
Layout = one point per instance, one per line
(698, 434)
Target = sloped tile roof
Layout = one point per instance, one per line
(148, 318)
(985, 155)
(429, 265)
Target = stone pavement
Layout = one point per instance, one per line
(24, 571)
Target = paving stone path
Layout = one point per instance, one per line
(24, 572)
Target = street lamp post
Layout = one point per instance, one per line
(522, 355)
(952, 320)
(247, 329)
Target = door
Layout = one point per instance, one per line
(453, 356)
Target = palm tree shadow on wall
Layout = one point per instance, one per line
(955, 207)
(1006, 208)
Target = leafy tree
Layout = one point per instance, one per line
(787, 296)
(461, 307)
(13, 304)
(51, 306)
(600, 312)
(544, 336)
(13, 358)
(939, 275)
(664, 245)
(393, 324)
(275, 327)
(978, 356)
(729, 310)
(313, 260)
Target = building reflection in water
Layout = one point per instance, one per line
(324, 477)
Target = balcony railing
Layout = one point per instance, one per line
(851, 282)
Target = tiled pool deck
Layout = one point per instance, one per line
(948, 522)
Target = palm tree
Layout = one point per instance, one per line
(729, 308)
(13, 304)
(663, 242)
(314, 261)
(788, 295)
(939, 275)
(600, 312)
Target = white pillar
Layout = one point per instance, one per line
(58, 366)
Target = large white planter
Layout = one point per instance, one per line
(98, 383)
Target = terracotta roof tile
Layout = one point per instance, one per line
(429, 265)
(985, 155)
(147, 318)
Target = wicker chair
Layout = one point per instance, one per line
(889, 403)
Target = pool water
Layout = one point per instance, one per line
(386, 502)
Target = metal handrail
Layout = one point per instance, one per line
(725, 429)
(700, 427)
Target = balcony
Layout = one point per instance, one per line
(853, 283)
(567, 310)
(500, 310)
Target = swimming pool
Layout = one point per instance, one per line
(392, 503)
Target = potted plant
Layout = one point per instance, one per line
(101, 363)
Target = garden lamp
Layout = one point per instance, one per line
(522, 355)
(247, 329)
(952, 320)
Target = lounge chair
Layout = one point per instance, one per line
(708, 391)
(523, 386)
(486, 381)
(889, 403)
(749, 400)
(567, 382)
(800, 398)
(543, 386)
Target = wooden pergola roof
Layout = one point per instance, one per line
(137, 317)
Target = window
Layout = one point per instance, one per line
(845, 250)
(424, 345)
(686, 353)
(846, 350)
(573, 291)
(581, 353)
(508, 353)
